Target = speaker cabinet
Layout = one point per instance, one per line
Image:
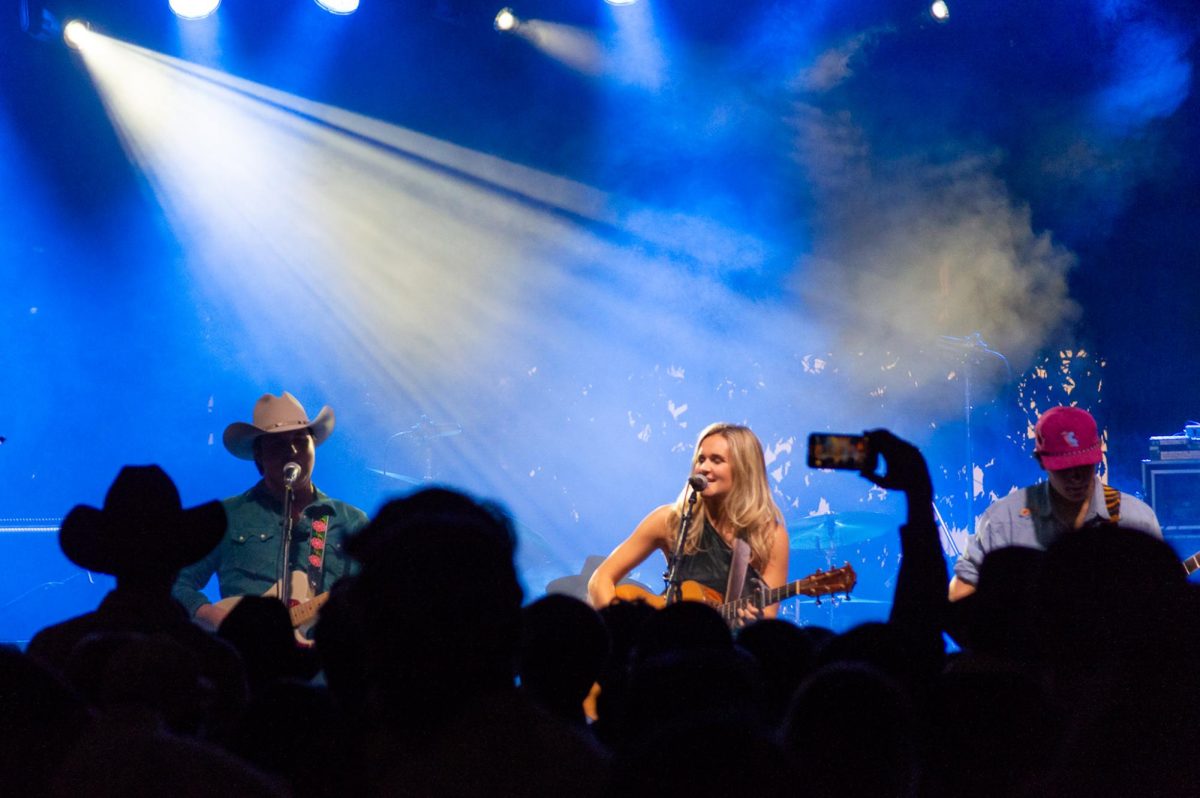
(1172, 488)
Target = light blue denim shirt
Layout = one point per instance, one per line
(1026, 518)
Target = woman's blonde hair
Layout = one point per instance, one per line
(748, 507)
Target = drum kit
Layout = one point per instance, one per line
(833, 531)
(537, 559)
(419, 440)
(868, 541)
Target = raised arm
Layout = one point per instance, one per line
(919, 603)
(653, 533)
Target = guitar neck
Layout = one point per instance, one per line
(1192, 564)
(303, 613)
(819, 584)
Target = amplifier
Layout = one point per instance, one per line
(1174, 447)
(1172, 488)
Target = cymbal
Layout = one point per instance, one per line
(839, 599)
(400, 477)
(828, 531)
(426, 430)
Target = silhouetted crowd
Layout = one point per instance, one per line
(1077, 675)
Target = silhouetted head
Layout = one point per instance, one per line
(998, 619)
(438, 595)
(142, 534)
(747, 761)
(1107, 591)
(683, 626)
(563, 648)
(852, 731)
(260, 628)
(785, 653)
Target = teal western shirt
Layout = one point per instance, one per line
(246, 560)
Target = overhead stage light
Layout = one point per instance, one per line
(74, 32)
(939, 10)
(339, 6)
(194, 9)
(620, 2)
(506, 20)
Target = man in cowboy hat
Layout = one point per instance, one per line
(246, 561)
(143, 537)
(1068, 448)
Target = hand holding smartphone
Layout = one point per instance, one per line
(841, 451)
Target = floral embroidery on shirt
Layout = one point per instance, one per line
(316, 541)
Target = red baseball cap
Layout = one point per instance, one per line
(1066, 438)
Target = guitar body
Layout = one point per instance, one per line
(303, 608)
(821, 583)
(689, 591)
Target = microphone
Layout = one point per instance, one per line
(698, 482)
(291, 472)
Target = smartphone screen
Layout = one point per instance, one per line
(834, 450)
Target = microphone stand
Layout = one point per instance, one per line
(969, 351)
(285, 548)
(671, 575)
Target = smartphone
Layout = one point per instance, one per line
(834, 450)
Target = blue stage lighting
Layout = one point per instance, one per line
(194, 9)
(339, 6)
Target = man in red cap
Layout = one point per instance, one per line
(282, 442)
(1068, 449)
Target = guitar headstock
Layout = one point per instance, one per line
(824, 583)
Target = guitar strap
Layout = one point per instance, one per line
(316, 554)
(1112, 502)
(739, 563)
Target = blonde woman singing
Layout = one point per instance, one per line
(735, 504)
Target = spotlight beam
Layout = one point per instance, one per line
(388, 236)
(359, 129)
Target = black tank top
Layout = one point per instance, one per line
(709, 565)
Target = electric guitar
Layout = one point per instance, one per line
(303, 607)
(821, 583)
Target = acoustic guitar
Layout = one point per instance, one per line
(821, 583)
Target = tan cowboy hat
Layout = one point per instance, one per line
(274, 414)
(142, 527)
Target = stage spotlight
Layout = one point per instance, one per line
(506, 20)
(194, 9)
(339, 6)
(620, 2)
(74, 32)
(939, 10)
